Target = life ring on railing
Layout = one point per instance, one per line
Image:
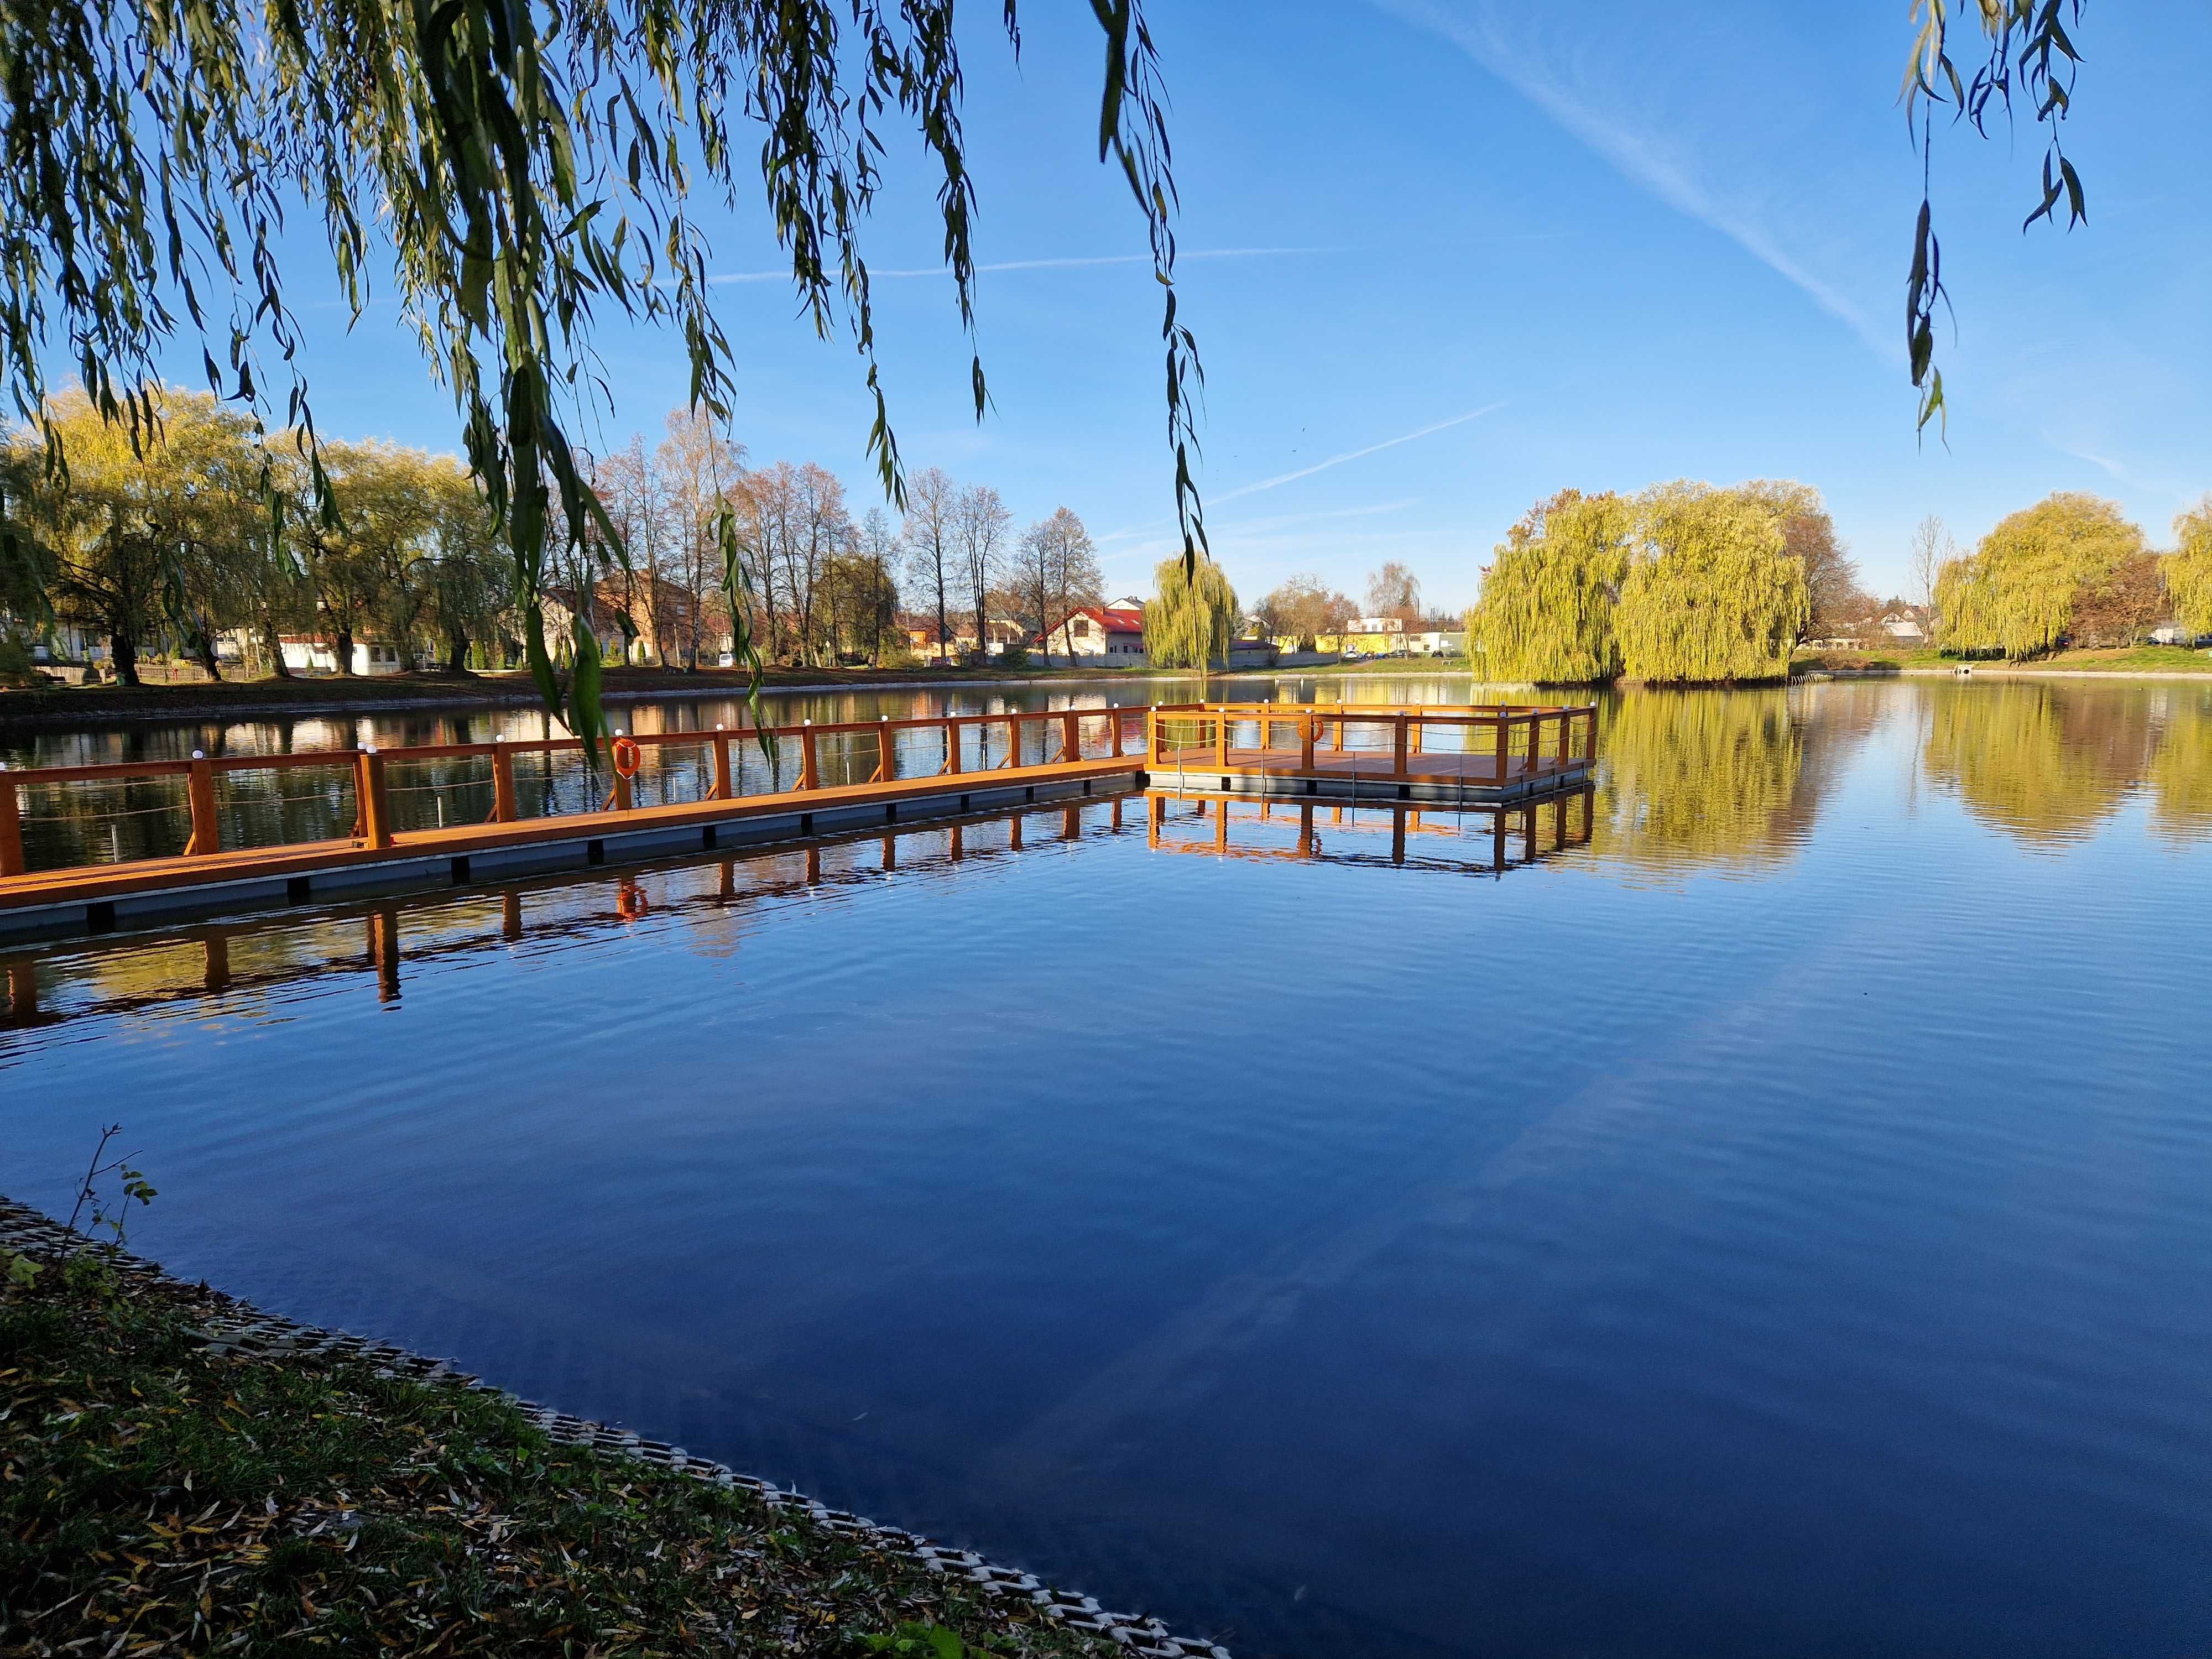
(626, 756)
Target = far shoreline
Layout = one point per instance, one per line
(67, 707)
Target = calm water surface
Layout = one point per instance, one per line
(1779, 1226)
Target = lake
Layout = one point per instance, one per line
(1780, 1225)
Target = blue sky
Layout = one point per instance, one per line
(1588, 244)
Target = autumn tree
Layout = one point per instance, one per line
(1192, 616)
(2017, 593)
(2124, 605)
(1546, 614)
(1834, 601)
(140, 540)
(1712, 593)
(1303, 608)
(2189, 569)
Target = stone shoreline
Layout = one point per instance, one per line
(246, 1332)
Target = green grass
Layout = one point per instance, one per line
(2127, 659)
(157, 1497)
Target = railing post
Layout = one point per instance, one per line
(1414, 734)
(502, 782)
(1306, 741)
(809, 764)
(1151, 736)
(1501, 732)
(886, 754)
(723, 789)
(1071, 740)
(1402, 725)
(1114, 719)
(375, 808)
(1220, 736)
(11, 827)
(199, 791)
(952, 743)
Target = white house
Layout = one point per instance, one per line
(305, 654)
(1907, 626)
(1111, 634)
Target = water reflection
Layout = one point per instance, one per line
(250, 964)
(2049, 763)
(1462, 842)
(1727, 783)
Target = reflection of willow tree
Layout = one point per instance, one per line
(1697, 777)
(2045, 763)
(2181, 775)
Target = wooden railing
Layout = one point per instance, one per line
(1057, 736)
(1494, 744)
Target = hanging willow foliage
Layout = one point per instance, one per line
(2188, 568)
(518, 166)
(2016, 591)
(1712, 594)
(1191, 620)
(1546, 614)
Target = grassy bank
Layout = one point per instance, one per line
(2128, 660)
(71, 704)
(156, 1496)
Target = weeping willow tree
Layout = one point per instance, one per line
(2188, 568)
(1191, 619)
(1712, 593)
(514, 172)
(2017, 591)
(1691, 779)
(2042, 762)
(1546, 610)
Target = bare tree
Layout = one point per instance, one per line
(1932, 549)
(927, 532)
(701, 472)
(1394, 590)
(981, 525)
(1057, 570)
(820, 528)
(630, 484)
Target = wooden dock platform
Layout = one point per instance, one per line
(1474, 755)
(934, 766)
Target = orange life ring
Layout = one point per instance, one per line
(626, 756)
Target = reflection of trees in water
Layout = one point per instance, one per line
(1723, 778)
(2045, 762)
(2181, 775)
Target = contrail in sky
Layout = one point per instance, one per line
(1355, 454)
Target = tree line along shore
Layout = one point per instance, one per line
(199, 540)
(1687, 583)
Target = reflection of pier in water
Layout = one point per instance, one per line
(1476, 841)
(270, 952)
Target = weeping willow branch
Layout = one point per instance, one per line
(519, 170)
(2028, 50)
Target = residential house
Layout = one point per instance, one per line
(311, 654)
(1111, 636)
(1905, 624)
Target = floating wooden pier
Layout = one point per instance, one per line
(937, 765)
(1468, 755)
